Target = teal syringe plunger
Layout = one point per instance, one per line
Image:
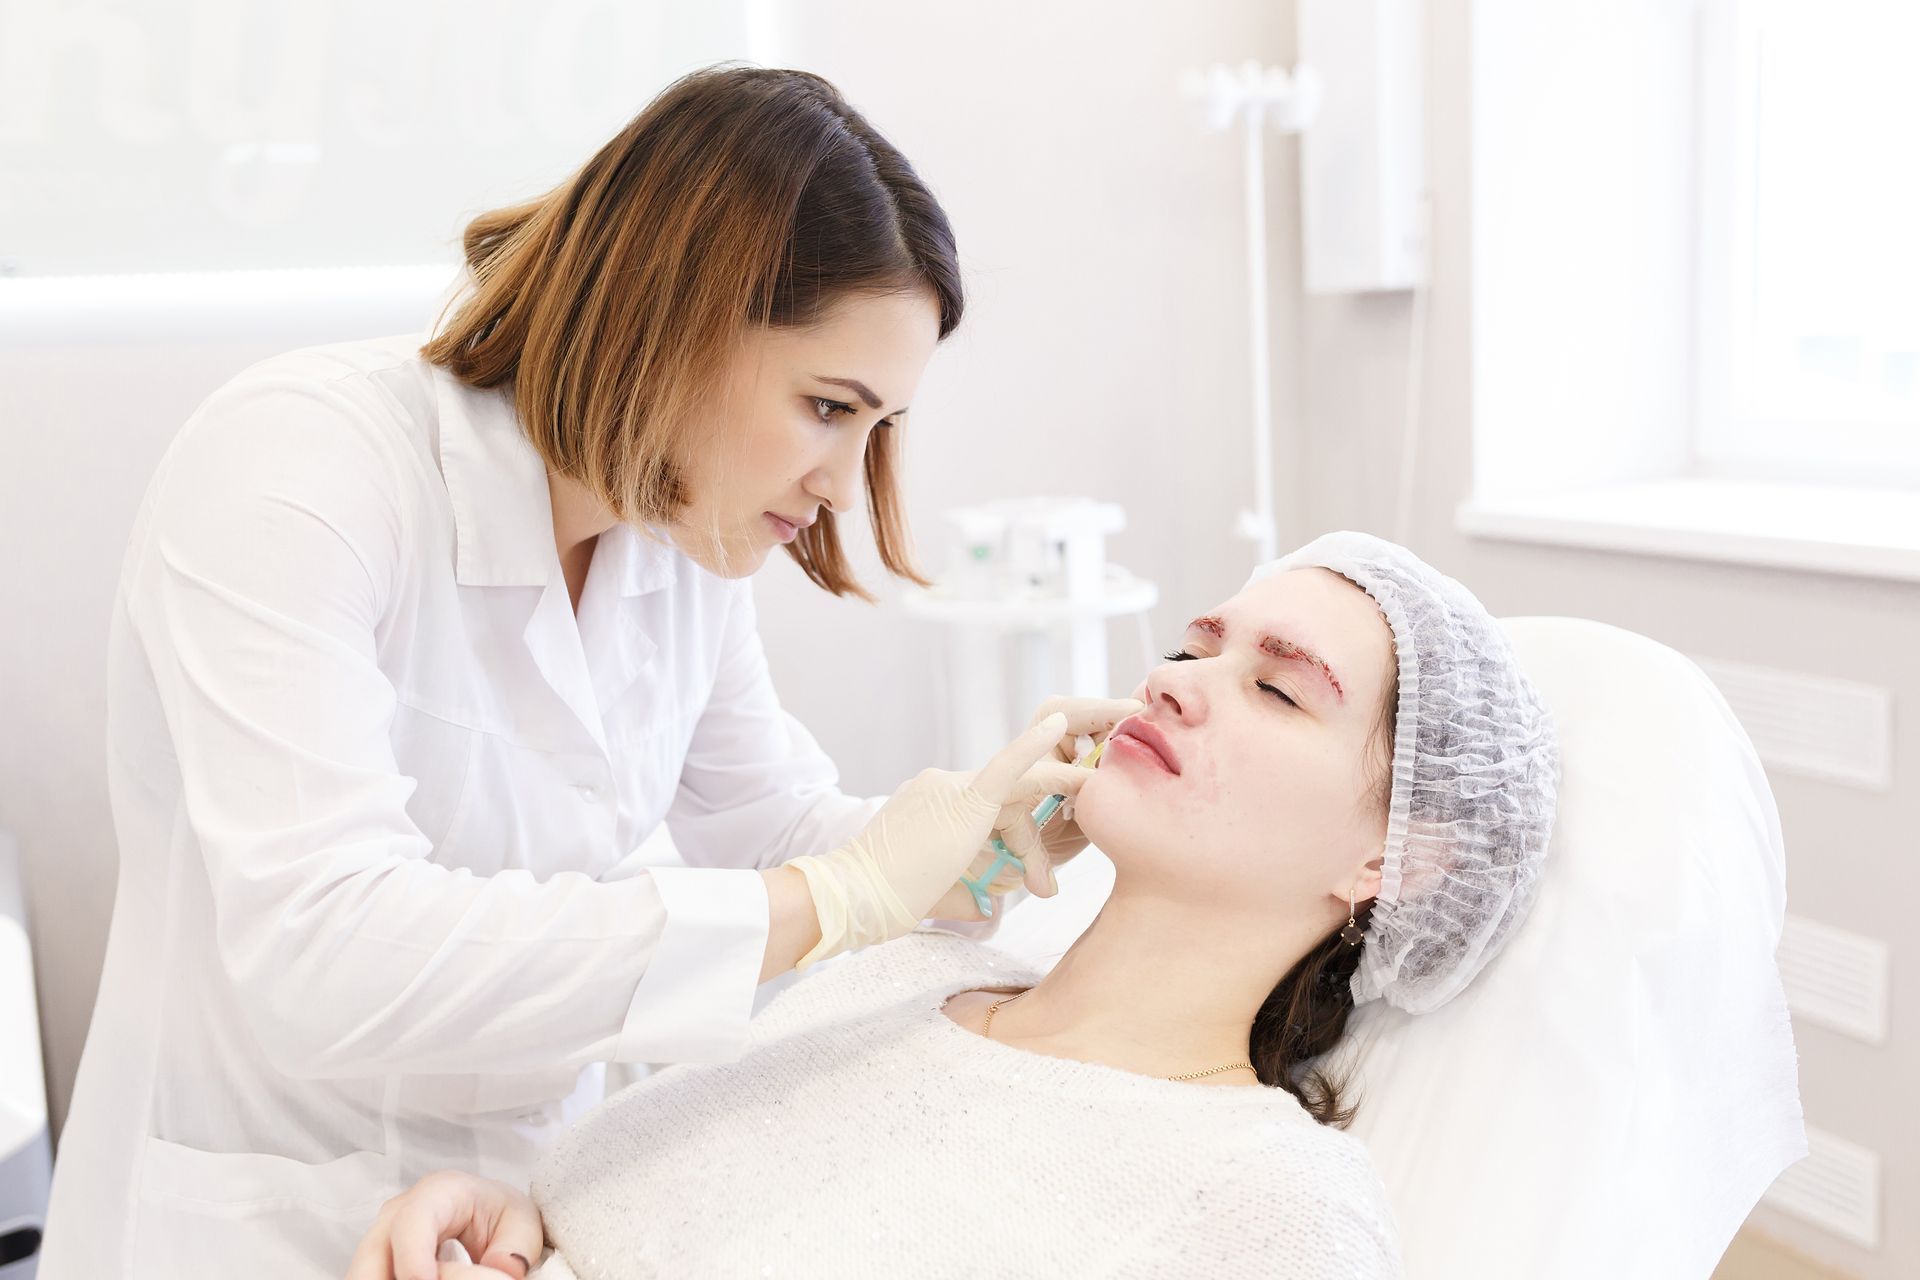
(1003, 856)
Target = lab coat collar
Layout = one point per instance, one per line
(497, 480)
(503, 510)
(642, 560)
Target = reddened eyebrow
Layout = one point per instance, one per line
(1277, 646)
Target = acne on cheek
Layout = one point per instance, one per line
(1208, 791)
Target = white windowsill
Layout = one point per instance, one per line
(1860, 532)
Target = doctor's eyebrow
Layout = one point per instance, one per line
(858, 388)
(1275, 645)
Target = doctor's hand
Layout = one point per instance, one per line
(495, 1223)
(1060, 839)
(881, 883)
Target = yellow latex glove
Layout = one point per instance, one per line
(881, 883)
(1060, 839)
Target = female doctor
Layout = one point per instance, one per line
(414, 645)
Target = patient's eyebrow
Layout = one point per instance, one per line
(1278, 646)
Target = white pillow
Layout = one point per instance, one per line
(1617, 1088)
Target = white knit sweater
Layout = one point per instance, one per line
(864, 1133)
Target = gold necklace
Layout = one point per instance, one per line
(987, 1032)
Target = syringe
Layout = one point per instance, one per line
(1042, 814)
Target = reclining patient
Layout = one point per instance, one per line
(1341, 789)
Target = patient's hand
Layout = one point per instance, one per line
(495, 1223)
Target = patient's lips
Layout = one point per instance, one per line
(1138, 740)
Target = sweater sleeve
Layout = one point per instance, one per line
(1304, 1205)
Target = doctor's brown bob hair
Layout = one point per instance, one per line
(740, 196)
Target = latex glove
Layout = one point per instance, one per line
(1060, 839)
(881, 883)
(494, 1222)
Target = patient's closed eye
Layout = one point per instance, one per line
(1181, 655)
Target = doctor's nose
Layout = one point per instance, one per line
(837, 483)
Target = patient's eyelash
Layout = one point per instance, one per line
(1181, 655)
(1278, 693)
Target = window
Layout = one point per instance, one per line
(1807, 351)
(1694, 280)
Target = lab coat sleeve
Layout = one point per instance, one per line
(756, 788)
(257, 578)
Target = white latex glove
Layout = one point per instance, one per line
(881, 883)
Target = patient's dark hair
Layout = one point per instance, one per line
(1306, 1014)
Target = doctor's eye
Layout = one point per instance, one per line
(826, 409)
(1179, 655)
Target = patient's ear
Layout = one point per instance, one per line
(1366, 884)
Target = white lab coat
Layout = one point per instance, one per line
(377, 796)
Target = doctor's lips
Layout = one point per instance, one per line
(786, 528)
(1135, 734)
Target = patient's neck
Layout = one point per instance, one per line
(1159, 987)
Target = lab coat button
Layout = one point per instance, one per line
(587, 790)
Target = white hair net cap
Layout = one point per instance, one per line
(1475, 766)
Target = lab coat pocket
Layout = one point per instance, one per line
(206, 1213)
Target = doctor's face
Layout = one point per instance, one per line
(789, 435)
(1249, 782)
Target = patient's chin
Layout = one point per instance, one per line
(1101, 811)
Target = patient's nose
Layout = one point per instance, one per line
(1172, 692)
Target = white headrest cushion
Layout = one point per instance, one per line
(1616, 1090)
